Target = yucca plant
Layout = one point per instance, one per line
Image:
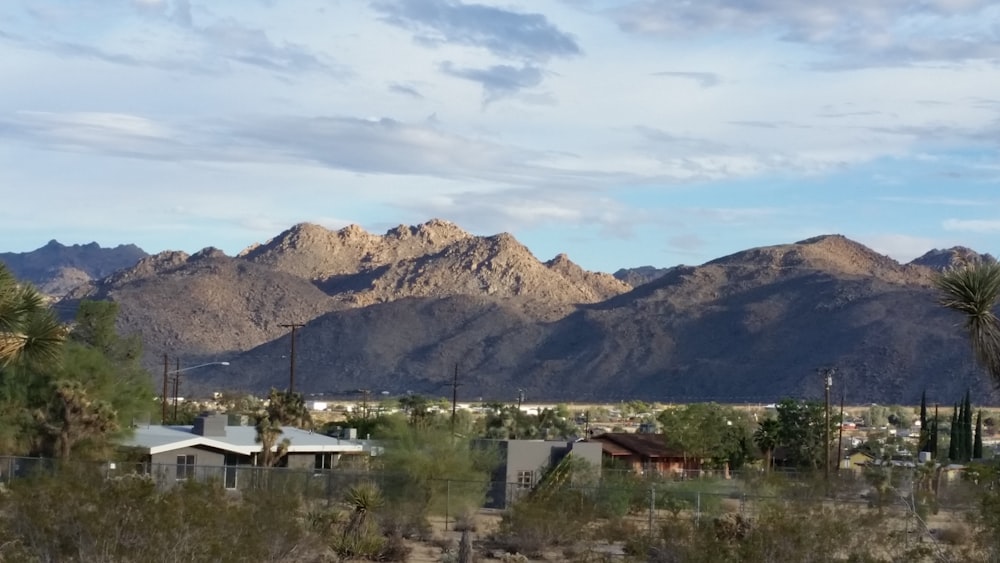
(974, 291)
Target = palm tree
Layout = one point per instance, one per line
(766, 438)
(974, 291)
(29, 331)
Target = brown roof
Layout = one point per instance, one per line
(649, 446)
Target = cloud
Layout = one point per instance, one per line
(498, 81)
(505, 33)
(166, 36)
(853, 33)
(405, 89)
(938, 201)
(982, 226)
(704, 79)
(521, 208)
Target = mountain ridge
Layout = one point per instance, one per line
(398, 311)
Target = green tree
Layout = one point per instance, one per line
(288, 408)
(802, 432)
(707, 432)
(269, 432)
(923, 442)
(766, 437)
(967, 427)
(430, 471)
(954, 439)
(974, 291)
(977, 444)
(73, 417)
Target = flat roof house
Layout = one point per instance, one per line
(214, 448)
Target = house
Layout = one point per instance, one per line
(217, 447)
(524, 464)
(644, 453)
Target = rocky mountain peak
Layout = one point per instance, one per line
(956, 256)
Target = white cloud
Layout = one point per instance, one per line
(985, 226)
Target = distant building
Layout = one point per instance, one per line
(645, 453)
(214, 448)
(523, 464)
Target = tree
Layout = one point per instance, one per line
(977, 444)
(74, 417)
(765, 437)
(288, 408)
(934, 435)
(967, 428)
(802, 431)
(268, 432)
(925, 430)
(29, 331)
(954, 438)
(974, 291)
(707, 432)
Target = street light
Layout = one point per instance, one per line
(177, 378)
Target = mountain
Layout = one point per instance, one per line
(399, 311)
(56, 268)
(641, 275)
(957, 256)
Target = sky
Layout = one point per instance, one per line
(620, 132)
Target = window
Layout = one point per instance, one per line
(525, 479)
(185, 467)
(324, 462)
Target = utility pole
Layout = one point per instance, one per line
(163, 398)
(364, 402)
(291, 365)
(177, 384)
(827, 383)
(454, 398)
(840, 435)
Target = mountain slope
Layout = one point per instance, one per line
(399, 311)
(56, 268)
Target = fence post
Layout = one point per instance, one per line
(447, 502)
(697, 510)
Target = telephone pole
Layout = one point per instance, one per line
(291, 358)
(163, 398)
(454, 398)
(177, 384)
(827, 383)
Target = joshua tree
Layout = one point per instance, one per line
(268, 432)
(974, 291)
(29, 331)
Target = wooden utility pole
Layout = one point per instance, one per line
(840, 436)
(827, 383)
(291, 359)
(177, 385)
(364, 402)
(454, 398)
(163, 398)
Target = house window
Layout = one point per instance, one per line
(323, 462)
(185, 467)
(525, 479)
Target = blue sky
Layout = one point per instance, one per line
(621, 132)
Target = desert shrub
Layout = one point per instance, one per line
(76, 515)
